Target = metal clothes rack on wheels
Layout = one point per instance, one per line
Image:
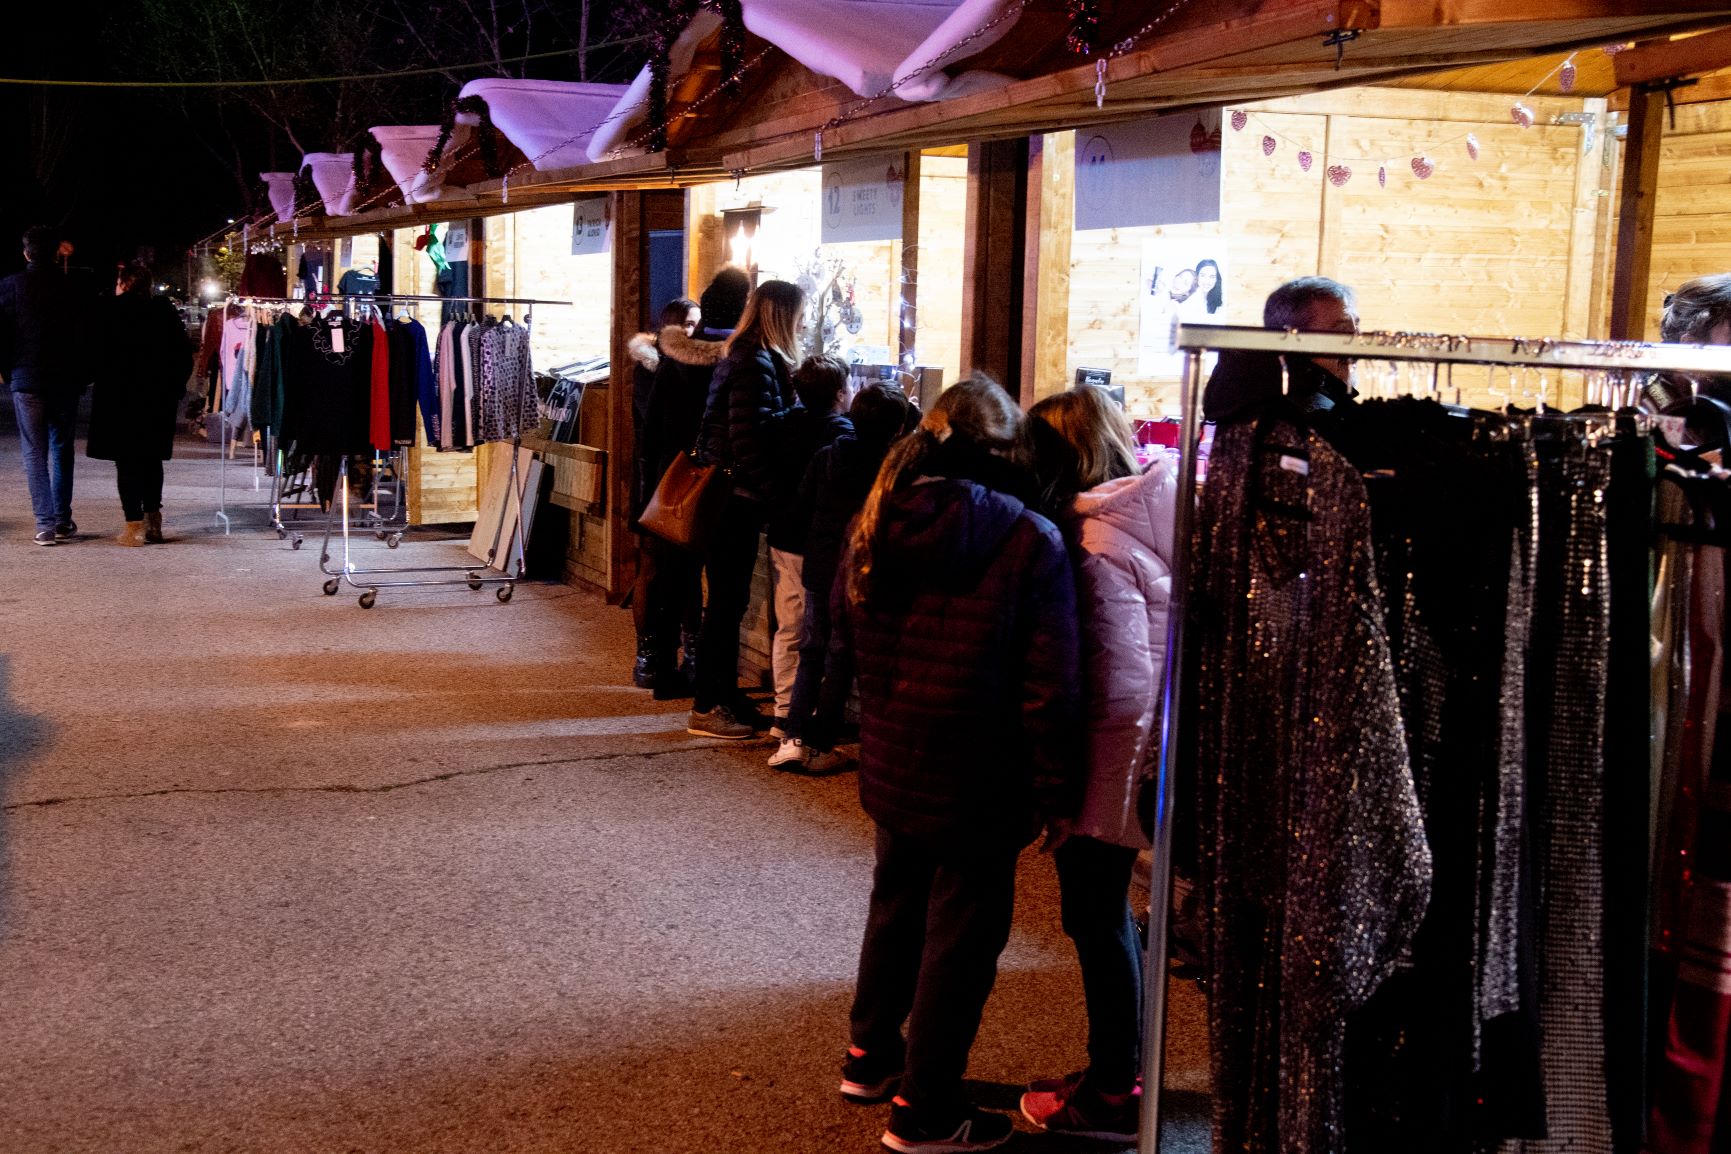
(1614, 363)
(509, 572)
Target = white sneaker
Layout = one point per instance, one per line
(792, 750)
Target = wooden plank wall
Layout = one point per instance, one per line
(1692, 226)
(1505, 245)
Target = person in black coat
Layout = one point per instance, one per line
(645, 352)
(824, 386)
(749, 394)
(834, 487)
(136, 402)
(959, 603)
(44, 361)
(669, 578)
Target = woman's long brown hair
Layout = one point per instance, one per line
(979, 411)
(771, 320)
(1079, 438)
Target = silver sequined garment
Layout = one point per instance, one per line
(1314, 868)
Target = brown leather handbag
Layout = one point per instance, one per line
(686, 505)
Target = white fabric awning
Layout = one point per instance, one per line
(551, 121)
(334, 177)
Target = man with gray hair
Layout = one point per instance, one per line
(1317, 385)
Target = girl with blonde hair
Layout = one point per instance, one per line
(960, 610)
(1117, 520)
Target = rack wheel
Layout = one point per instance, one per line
(369, 598)
(378, 534)
(503, 593)
(474, 583)
(282, 534)
(394, 540)
(332, 586)
(296, 543)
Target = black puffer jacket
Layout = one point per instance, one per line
(748, 397)
(799, 437)
(140, 379)
(44, 348)
(674, 409)
(835, 486)
(967, 659)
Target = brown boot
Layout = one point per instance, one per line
(153, 527)
(132, 535)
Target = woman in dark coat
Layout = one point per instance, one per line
(750, 393)
(136, 400)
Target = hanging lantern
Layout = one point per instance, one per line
(1423, 167)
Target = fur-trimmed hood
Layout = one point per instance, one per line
(642, 350)
(690, 350)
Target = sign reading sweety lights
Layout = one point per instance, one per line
(862, 200)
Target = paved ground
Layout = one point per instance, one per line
(281, 874)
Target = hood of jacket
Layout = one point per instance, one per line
(641, 348)
(943, 532)
(689, 350)
(1140, 508)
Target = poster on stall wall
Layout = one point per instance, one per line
(457, 243)
(1149, 172)
(862, 200)
(591, 232)
(1183, 282)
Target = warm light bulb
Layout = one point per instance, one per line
(210, 288)
(739, 248)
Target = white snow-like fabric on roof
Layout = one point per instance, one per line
(550, 120)
(280, 187)
(945, 46)
(404, 148)
(334, 177)
(613, 138)
(867, 44)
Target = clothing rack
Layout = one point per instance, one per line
(508, 573)
(1618, 360)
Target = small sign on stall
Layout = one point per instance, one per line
(862, 200)
(457, 243)
(1149, 172)
(590, 230)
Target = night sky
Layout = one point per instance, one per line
(123, 169)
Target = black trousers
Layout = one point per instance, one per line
(939, 917)
(1094, 894)
(668, 598)
(823, 681)
(729, 565)
(139, 480)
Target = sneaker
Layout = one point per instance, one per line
(778, 728)
(1054, 1085)
(828, 761)
(791, 754)
(45, 537)
(974, 1130)
(718, 722)
(66, 532)
(867, 1078)
(1078, 1110)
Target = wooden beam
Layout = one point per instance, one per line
(907, 333)
(1670, 59)
(993, 253)
(630, 276)
(1635, 215)
(1432, 13)
(1051, 225)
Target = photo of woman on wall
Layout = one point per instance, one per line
(1208, 285)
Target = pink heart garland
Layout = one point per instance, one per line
(1268, 146)
(1339, 174)
(1239, 120)
(1382, 175)
(1521, 115)
(1305, 160)
(1566, 78)
(1472, 146)
(1422, 167)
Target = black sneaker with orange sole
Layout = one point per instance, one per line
(869, 1078)
(971, 1129)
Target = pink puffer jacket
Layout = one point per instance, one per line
(1120, 537)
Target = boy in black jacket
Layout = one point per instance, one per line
(832, 491)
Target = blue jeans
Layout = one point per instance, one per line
(45, 429)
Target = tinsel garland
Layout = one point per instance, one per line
(306, 192)
(485, 133)
(369, 164)
(732, 14)
(666, 31)
(1084, 26)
